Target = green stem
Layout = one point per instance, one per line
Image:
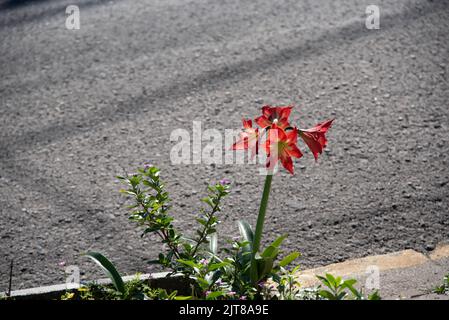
(206, 227)
(259, 226)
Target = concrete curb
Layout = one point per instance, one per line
(351, 268)
(156, 280)
(440, 252)
(404, 274)
(355, 267)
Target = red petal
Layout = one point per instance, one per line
(294, 151)
(312, 143)
(263, 122)
(284, 112)
(325, 125)
(276, 133)
(292, 135)
(287, 163)
(321, 127)
(247, 123)
(267, 111)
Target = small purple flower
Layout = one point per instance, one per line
(232, 293)
(207, 293)
(242, 298)
(225, 182)
(147, 166)
(61, 264)
(204, 262)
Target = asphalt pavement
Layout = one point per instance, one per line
(78, 107)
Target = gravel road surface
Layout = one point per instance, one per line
(78, 107)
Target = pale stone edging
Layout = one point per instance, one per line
(396, 260)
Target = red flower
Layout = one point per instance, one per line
(249, 138)
(281, 137)
(282, 145)
(274, 115)
(315, 137)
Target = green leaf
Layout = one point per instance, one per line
(341, 295)
(153, 262)
(187, 246)
(189, 263)
(213, 243)
(216, 275)
(276, 243)
(331, 280)
(246, 231)
(214, 295)
(349, 284)
(264, 267)
(326, 295)
(374, 296)
(127, 192)
(289, 259)
(270, 252)
(183, 297)
(202, 282)
(215, 266)
(324, 281)
(209, 201)
(109, 268)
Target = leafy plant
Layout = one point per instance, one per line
(151, 210)
(444, 287)
(284, 285)
(132, 290)
(135, 289)
(109, 269)
(246, 267)
(338, 289)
